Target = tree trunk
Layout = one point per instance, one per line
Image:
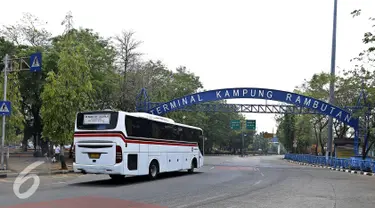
(321, 142)
(71, 150)
(368, 149)
(317, 141)
(364, 150)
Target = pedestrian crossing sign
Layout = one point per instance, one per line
(5, 108)
(35, 62)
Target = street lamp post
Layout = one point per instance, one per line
(332, 84)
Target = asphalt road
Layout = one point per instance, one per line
(225, 181)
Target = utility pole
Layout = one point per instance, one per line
(242, 146)
(332, 83)
(34, 65)
(204, 139)
(6, 59)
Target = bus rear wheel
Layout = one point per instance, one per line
(153, 170)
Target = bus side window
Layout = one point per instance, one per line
(163, 131)
(188, 135)
(143, 128)
(129, 125)
(180, 133)
(169, 132)
(175, 133)
(138, 127)
(156, 133)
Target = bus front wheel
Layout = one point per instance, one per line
(153, 170)
(193, 165)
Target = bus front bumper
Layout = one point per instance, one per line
(98, 169)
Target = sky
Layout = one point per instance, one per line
(272, 44)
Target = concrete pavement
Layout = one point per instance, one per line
(18, 164)
(225, 181)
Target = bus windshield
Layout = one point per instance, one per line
(99, 120)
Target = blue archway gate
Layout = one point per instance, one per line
(316, 105)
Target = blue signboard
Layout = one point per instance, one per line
(36, 62)
(257, 93)
(275, 139)
(5, 108)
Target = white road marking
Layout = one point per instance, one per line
(60, 182)
(200, 201)
(258, 182)
(4, 180)
(262, 174)
(212, 168)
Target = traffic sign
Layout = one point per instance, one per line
(267, 135)
(36, 62)
(235, 124)
(5, 108)
(251, 124)
(275, 139)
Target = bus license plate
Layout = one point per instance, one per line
(94, 155)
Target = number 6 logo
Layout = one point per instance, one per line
(22, 178)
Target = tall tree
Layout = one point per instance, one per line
(14, 123)
(66, 92)
(30, 36)
(128, 59)
(363, 76)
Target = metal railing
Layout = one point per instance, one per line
(353, 163)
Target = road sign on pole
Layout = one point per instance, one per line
(35, 62)
(5, 108)
(6, 62)
(35, 65)
(235, 124)
(251, 124)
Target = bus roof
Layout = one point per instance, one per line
(147, 116)
(150, 117)
(159, 118)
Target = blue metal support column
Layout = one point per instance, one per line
(142, 101)
(356, 142)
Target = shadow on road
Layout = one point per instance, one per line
(132, 180)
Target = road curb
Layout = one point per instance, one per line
(331, 168)
(14, 175)
(4, 173)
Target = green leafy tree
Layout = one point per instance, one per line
(100, 56)
(260, 143)
(67, 91)
(363, 76)
(14, 123)
(304, 133)
(29, 35)
(286, 131)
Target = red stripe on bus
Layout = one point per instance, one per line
(131, 140)
(100, 135)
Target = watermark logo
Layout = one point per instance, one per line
(23, 177)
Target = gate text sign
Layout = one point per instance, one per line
(257, 93)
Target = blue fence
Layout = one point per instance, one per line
(353, 163)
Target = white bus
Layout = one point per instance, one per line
(122, 144)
